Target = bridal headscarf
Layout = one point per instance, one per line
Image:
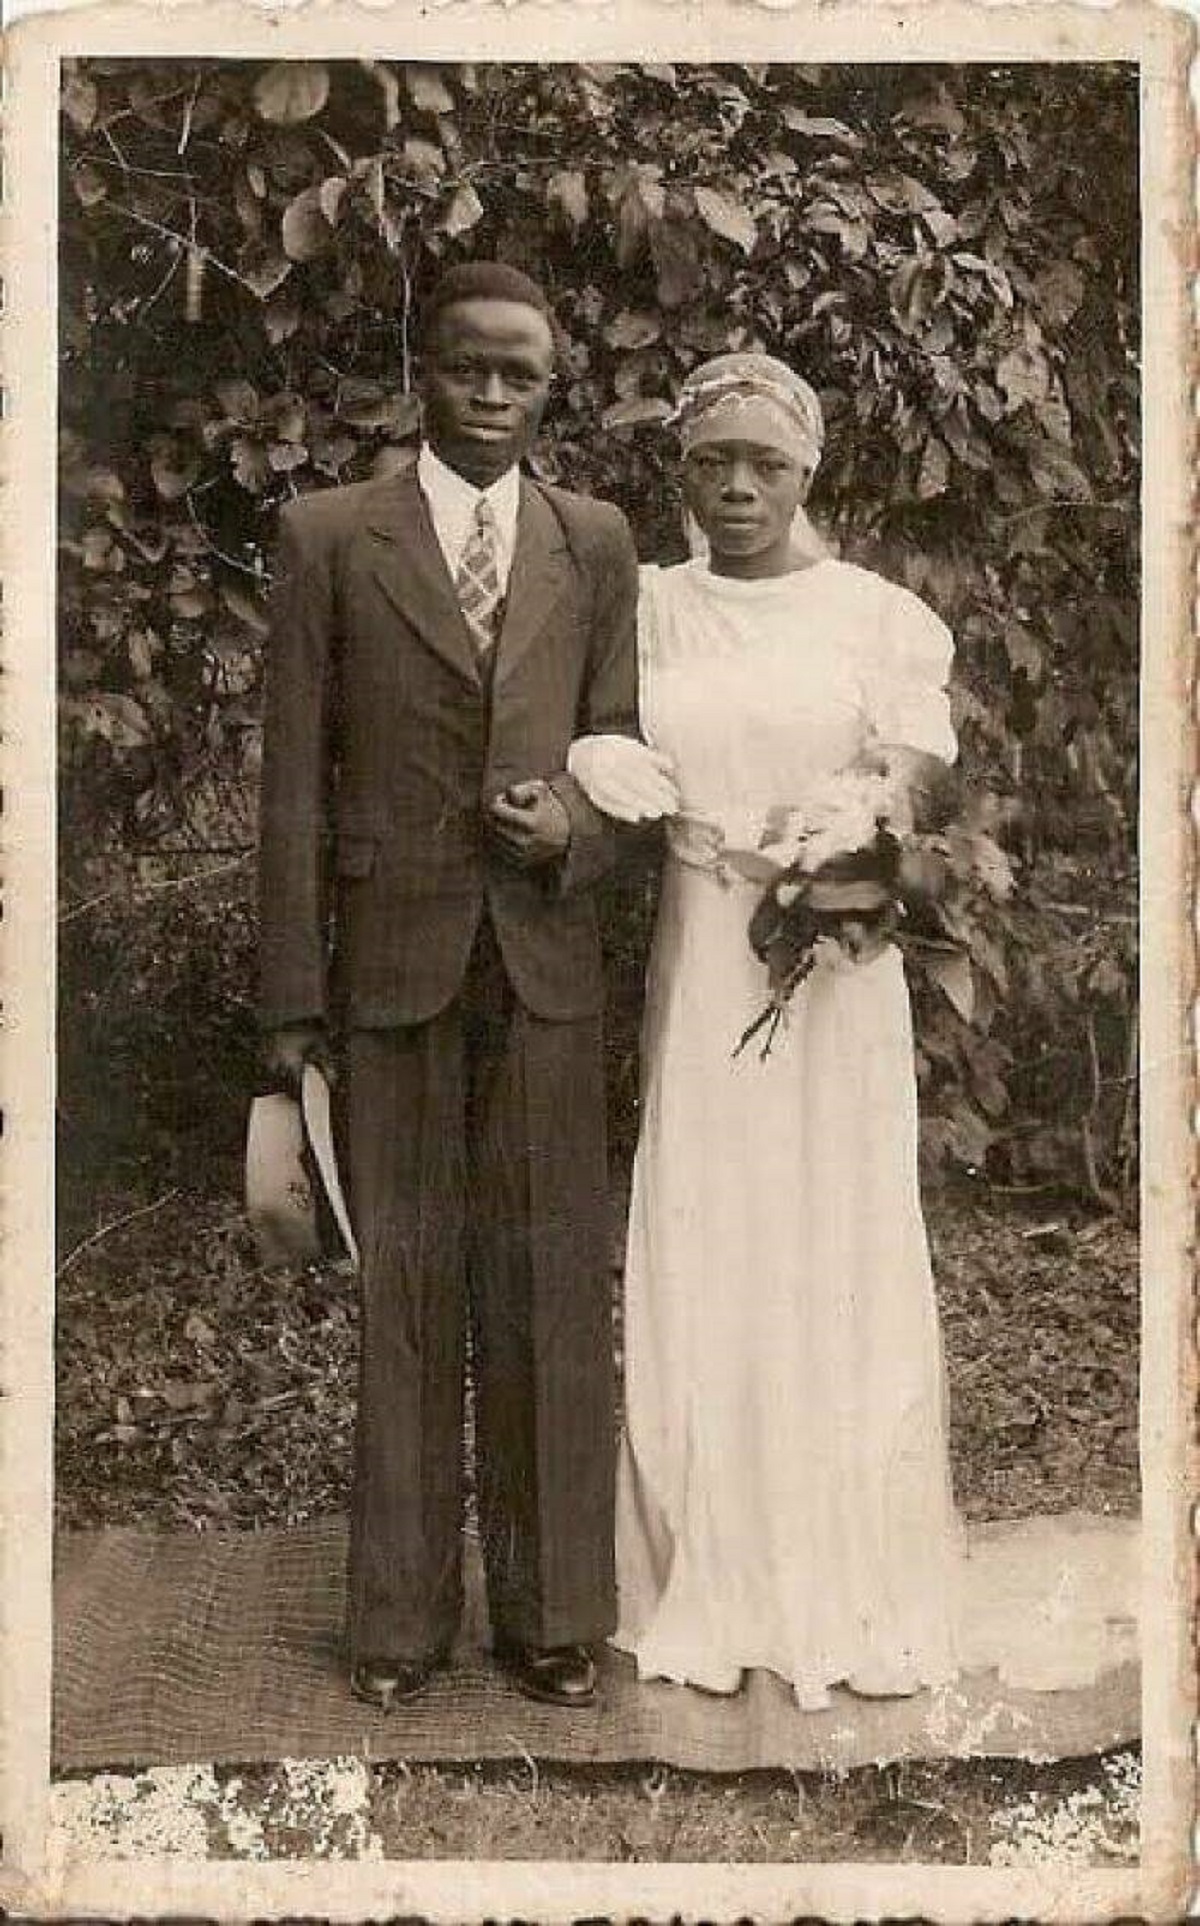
(751, 397)
(755, 398)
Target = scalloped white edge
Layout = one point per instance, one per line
(530, 29)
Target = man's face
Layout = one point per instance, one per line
(485, 383)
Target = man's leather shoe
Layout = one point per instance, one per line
(556, 1675)
(384, 1682)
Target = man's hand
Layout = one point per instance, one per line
(287, 1050)
(530, 824)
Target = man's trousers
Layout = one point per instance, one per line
(477, 1175)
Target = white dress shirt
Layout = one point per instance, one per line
(452, 500)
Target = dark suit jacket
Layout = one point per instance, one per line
(382, 747)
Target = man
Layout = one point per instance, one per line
(437, 640)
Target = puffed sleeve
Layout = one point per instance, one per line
(906, 682)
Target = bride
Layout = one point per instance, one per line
(784, 1494)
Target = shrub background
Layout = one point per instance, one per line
(949, 254)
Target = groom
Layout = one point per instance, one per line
(427, 867)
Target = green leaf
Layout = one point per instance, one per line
(141, 648)
(249, 207)
(80, 666)
(993, 274)
(819, 127)
(365, 404)
(726, 217)
(1054, 417)
(238, 399)
(389, 86)
(635, 412)
(640, 201)
(633, 329)
(283, 456)
(424, 159)
(634, 373)
(676, 262)
(304, 230)
(104, 485)
(462, 211)
(823, 217)
(264, 267)
(280, 320)
(1056, 474)
(954, 977)
(969, 446)
(117, 718)
(1024, 376)
(330, 453)
(286, 415)
(80, 101)
(1060, 290)
(89, 183)
(190, 597)
(100, 554)
(567, 189)
(1023, 649)
(427, 90)
(900, 193)
(291, 91)
(331, 194)
(246, 609)
(913, 291)
(250, 467)
(172, 471)
(934, 473)
(942, 226)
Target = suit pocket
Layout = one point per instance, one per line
(355, 855)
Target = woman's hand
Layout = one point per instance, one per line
(624, 778)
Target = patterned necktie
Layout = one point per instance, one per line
(477, 578)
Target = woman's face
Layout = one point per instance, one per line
(744, 495)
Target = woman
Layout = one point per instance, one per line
(784, 1495)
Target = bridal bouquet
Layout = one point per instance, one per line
(867, 861)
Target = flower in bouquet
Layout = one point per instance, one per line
(863, 864)
(831, 820)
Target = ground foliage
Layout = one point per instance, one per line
(245, 252)
(956, 1812)
(197, 1388)
(1076, 1812)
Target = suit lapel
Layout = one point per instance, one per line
(408, 564)
(541, 571)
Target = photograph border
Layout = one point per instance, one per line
(1162, 43)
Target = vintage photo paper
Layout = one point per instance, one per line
(931, 264)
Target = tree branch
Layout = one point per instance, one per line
(182, 241)
(106, 1230)
(154, 888)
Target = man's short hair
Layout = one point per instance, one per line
(486, 281)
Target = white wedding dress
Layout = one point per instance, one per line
(784, 1495)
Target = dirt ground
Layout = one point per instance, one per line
(197, 1389)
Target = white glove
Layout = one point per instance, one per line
(624, 778)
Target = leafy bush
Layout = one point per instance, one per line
(245, 252)
(157, 1038)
